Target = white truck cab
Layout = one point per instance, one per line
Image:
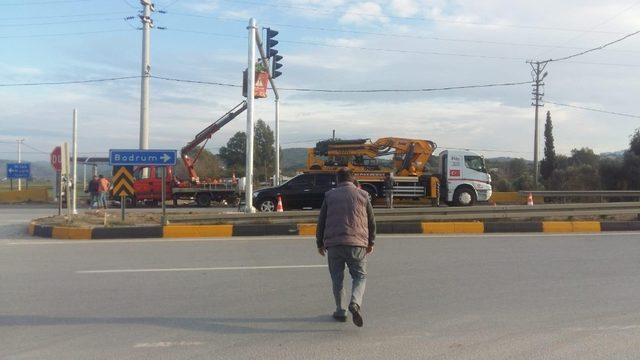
(464, 178)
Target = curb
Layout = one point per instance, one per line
(308, 229)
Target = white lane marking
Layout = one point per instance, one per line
(298, 237)
(165, 344)
(606, 328)
(116, 271)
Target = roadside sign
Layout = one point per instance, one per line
(123, 181)
(18, 170)
(56, 158)
(128, 157)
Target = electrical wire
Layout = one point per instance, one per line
(592, 109)
(595, 48)
(597, 25)
(202, 82)
(61, 16)
(332, 11)
(194, 81)
(388, 34)
(62, 34)
(58, 22)
(34, 148)
(69, 82)
(24, 3)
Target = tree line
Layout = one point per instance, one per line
(231, 158)
(582, 170)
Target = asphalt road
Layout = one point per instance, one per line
(436, 297)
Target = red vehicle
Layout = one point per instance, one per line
(149, 190)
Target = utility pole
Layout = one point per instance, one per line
(277, 120)
(537, 67)
(251, 75)
(147, 24)
(74, 177)
(20, 141)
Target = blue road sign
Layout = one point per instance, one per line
(18, 170)
(128, 157)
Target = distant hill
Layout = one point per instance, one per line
(293, 159)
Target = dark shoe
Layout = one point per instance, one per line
(340, 316)
(355, 311)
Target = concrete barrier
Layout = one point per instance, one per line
(39, 194)
(308, 229)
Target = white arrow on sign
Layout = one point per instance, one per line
(165, 157)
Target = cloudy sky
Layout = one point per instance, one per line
(326, 44)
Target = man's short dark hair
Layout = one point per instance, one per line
(345, 174)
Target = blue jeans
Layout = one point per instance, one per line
(102, 199)
(354, 258)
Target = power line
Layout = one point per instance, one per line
(407, 90)
(62, 34)
(70, 81)
(386, 34)
(34, 148)
(58, 22)
(596, 110)
(195, 81)
(595, 48)
(356, 90)
(598, 25)
(24, 3)
(399, 51)
(332, 11)
(61, 16)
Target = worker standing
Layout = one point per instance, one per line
(388, 189)
(103, 191)
(346, 232)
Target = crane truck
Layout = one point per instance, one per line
(461, 179)
(203, 191)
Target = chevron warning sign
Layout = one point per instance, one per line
(123, 181)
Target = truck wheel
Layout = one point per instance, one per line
(464, 197)
(132, 202)
(175, 202)
(203, 200)
(267, 205)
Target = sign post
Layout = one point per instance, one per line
(64, 171)
(55, 158)
(123, 185)
(18, 170)
(127, 158)
(164, 196)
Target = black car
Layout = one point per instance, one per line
(305, 191)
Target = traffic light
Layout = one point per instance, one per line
(271, 42)
(276, 65)
(272, 53)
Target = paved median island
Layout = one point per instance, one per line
(309, 229)
(549, 218)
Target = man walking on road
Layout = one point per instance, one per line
(346, 232)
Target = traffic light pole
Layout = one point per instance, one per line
(251, 75)
(265, 62)
(277, 169)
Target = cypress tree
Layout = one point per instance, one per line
(549, 162)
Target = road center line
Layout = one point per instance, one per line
(116, 271)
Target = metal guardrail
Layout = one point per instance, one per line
(425, 214)
(583, 193)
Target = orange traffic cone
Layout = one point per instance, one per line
(279, 208)
(530, 200)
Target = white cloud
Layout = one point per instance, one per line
(364, 13)
(404, 7)
(202, 6)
